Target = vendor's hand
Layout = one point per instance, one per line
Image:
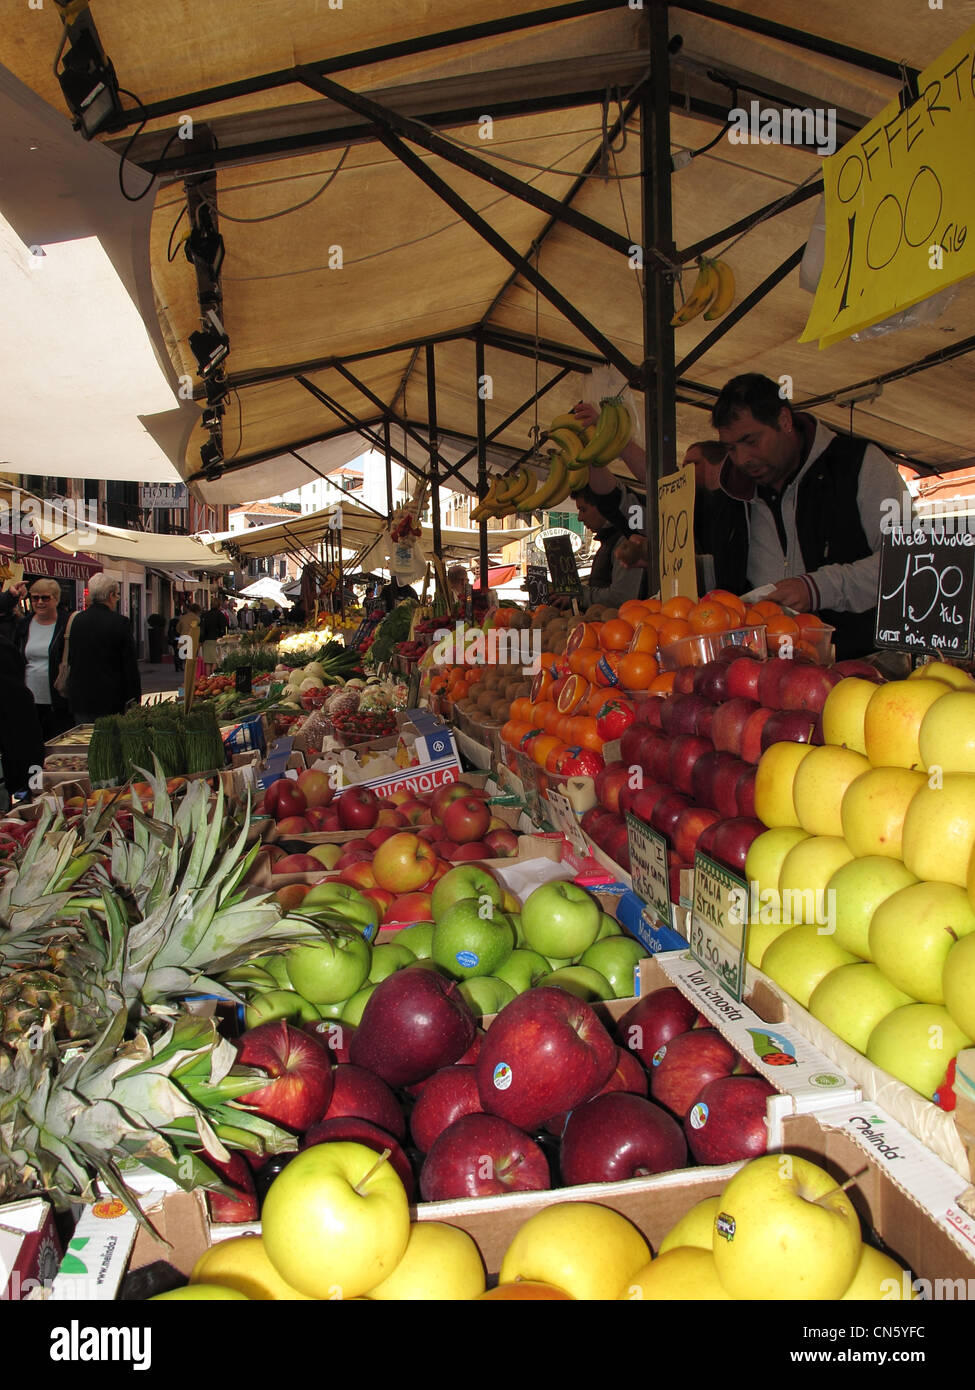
(585, 412)
(20, 589)
(791, 593)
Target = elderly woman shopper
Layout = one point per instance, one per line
(40, 640)
(102, 663)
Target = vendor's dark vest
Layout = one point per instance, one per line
(830, 532)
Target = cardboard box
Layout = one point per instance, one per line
(949, 1135)
(30, 1251)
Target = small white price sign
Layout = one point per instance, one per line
(649, 869)
(565, 820)
(719, 917)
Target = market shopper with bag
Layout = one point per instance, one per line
(40, 640)
(213, 626)
(103, 669)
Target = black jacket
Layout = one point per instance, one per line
(103, 670)
(213, 625)
(58, 703)
(21, 740)
(8, 620)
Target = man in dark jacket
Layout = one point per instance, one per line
(102, 663)
(11, 611)
(21, 740)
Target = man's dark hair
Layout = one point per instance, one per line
(753, 392)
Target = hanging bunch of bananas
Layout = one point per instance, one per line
(712, 295)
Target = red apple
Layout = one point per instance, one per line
(297, 864)
(856, 667)
(726, 1122)
(318, 818)
(743, 674)
(684, 678)
(732, 839)
(390, 818)
(788, 726)
(408, 908)
(443, 796)
(294, 825)
(467, 853)
(358, 808)
(482, 1156)
(751, 734)
(745, 792)
(379, 835)
(503, 844)
(466, 819)
(685, 749)
(352, 1129)
(316, 787)
(546, 1051)
(382, 898)
(448, 1095)
(336, 1036)
(690, 825)
(241, 1203)
(684, 1065)
(726, 780)
(680, 714)
(770, 678)
(617, 844)
(357, 853)
(620, 1136)
(650, 711)
(806, 687)
(433, 834)
(301, 1066)
(729, 723)
(653, 1020)
(666, 813)
(356, 1091)
(290, 801)
(414, 1023)
(359, 875)
(711, 681)
(404, 863)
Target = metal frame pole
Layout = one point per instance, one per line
(482, 483)
(431, 368)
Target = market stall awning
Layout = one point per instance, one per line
(47, 561)
(142, 547)
(178, 578)
(266, 588)
(502, 575)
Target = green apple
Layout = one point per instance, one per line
(464, 881)
(912, 932)
(763, 862)
(336, 1221)
(340, 902)
(858, 888)
(958, 984)
(939, 828)
(353, 1008)
(805, 872)
(852, 1000)
(191, 1293)
(387, 958)
(277, 967)
(278, 1003)
(418, 939)
(522, 970)
(784, 1230)
(486, 994)
(332, 969)
(760, 936)
(608, 926)
(441, 1262)
(585, 1249)
(560, 919)
(582, 981)
(519, 933)
(696, 1227)
(332, 1010)
(616, 958)
(915, 1043)
(253, 976)
(471, 939)
(799, 958)
(819, 786)
(559, 962)
(329, 855)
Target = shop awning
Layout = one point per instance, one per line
(142, 547)
(178, 578)
(48, 562)
(502, 575)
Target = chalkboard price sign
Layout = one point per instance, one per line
(562, 568)
(925, 593)
(536, 582)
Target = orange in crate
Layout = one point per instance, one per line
(634, 610)
(662, 684)
(583, 635)
(606, 671)
(710, 616)
(782, 626)
(542, 746)
(586, 735)
(572, 694)
(767, 608)
(637, 670)
(551, 762)
(545, 712)
(677, 607)
(811, 620)
(730, 601)
(673, 629)
(521, 708)
(514, 731)
(615, 635)
(645, 637)
(542, 684)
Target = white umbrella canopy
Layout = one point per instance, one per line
(267, 588)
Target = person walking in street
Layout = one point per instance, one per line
(11, 612)
(103, 669)
(21, 740)
(172, 639)
(213, 626)
(40, 640)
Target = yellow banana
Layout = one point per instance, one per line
(566, 422)
(555, 486)
(525, 485)
(488, 504)
(512, 483)
(568, 441)
(605, 429)
(620, 438)
(724, 298)
(578, 478)
(702, 295)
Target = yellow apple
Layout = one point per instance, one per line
(843, 712)
(852, 999)
(773, 783)
(915, 1043)
(242, 1263)
(892, 722)
(958, 984)
(589, 1251)
(784, 1230)
(336, 1221)
(202, 1292)
(947, 737)
(912, 931)
(509, 903)
(763, 862)
(874, 809)
(686, 1272)
(441, 1262)
(819, 785)
(942, 671)
(762, 934)
(696, 1227)
(856, 890)
(801, 957)
(806, 871)
(879, 1278)
(939, 829)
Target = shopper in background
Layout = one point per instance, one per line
(21, 739)
(815, 501)
(40, 640)
(608, 515)
(213, 626)
(720, 522)
(394, 592)
(172, 638)
(102, 663)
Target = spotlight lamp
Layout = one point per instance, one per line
(204, 245)
(86, 76)
(211, 454)
(209, 347)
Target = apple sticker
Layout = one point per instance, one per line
(467, 959)
(502, 1076)
(659, 1055)
(698, 1115)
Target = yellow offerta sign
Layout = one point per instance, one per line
(900, 199)
(675, 513)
